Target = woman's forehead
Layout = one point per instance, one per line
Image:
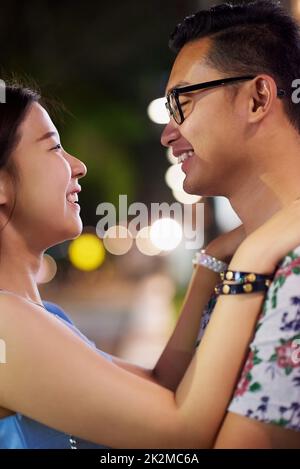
(36, 123)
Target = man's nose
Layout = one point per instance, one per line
(170, 134)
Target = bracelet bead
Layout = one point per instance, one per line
(244, 277)
(210, 262)
(246, 288)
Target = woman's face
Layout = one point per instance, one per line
(45, 212)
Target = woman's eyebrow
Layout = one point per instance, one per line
(47, 135)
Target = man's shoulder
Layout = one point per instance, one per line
(286, 279)
(280, 308)
(292, 258)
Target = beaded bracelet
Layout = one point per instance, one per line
(235, 289)
(244, 277)
(212, 263)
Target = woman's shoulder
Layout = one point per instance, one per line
(12, 306)
(17, 313)
(53, 308)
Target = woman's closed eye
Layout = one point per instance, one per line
(57, 147)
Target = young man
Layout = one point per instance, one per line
(235, 124)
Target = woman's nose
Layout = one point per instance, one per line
(82, 169)
(79, 169)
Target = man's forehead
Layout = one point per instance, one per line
(189, 63)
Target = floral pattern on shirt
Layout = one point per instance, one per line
(269, 386)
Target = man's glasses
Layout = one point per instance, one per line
(174, 107)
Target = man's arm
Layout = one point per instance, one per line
(180, 348)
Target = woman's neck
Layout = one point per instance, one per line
(19, 268)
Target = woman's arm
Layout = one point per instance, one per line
(180, 348)
(55, 378)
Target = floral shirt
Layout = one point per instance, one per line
(269, 386)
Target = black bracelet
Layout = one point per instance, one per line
(244, 277)
(235, 289)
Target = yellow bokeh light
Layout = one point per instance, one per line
(87, 252)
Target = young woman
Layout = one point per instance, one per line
(57, 390)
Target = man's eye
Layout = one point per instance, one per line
(184, 103)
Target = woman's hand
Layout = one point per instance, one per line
(224, 246)
(263, 249)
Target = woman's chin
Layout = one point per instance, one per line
(76, 231)
(72, 231)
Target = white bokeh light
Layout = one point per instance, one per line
(166, 234)
(171, 158)
(185, 198)
(174, 177)
(157, 111)
(226, 218)
(144, 243)
(47, 269)
(117, 240)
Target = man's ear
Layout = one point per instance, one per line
(263, 95)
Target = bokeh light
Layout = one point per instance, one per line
(166, 234)
(171, 158)
(87, 252)
(185, 198)
(157, 111)
(117, 240)
(144, 242)
(174, 177)
(226, 217)
(47, 270)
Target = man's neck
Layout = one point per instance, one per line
(274, 183)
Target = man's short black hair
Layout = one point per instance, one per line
(248, 38)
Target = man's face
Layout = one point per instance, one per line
(212, 129)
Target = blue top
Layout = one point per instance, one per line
(20, 432)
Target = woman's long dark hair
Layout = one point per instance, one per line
(16, 101)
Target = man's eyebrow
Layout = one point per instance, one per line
(47, 135)
(180, 83)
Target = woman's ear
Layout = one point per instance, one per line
(4, 187)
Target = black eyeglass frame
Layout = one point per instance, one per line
(175, 92)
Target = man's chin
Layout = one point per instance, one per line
(191, 188)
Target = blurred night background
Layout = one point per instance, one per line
(105, 62)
